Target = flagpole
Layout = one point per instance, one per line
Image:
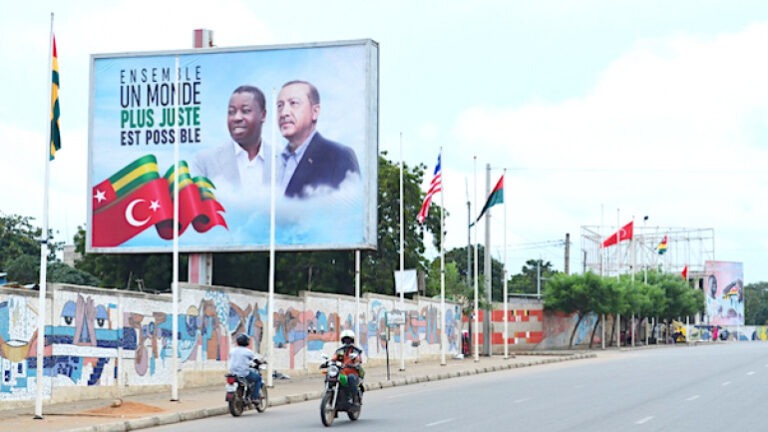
(633, 250)
(504, 275)
(618, 274)
(402, 262)
(487, 272)
(442, 266)
(272, 229)
(41, 312)
(475, 319)
(175, 284)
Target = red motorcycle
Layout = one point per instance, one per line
(239, 392)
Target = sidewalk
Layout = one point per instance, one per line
(154, 409)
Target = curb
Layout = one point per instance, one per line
(165, 419)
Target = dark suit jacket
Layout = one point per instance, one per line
(324, 163)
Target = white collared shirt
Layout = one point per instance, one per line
(252, 171)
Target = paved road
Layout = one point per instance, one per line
(701, 388)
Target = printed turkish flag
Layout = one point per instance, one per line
(118, 219)
(625, 233)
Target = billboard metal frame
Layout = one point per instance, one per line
(367, 147)
(691, 247)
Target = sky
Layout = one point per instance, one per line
(601, 112)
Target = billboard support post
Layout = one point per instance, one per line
(200, 267)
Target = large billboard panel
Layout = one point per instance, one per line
(724, 290)
(299, 120)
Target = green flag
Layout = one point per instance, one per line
(496, 197)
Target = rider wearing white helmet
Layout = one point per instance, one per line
(352, 359)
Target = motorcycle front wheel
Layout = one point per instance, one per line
(263, 401)
(327, 410)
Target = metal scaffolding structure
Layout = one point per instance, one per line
(690, 247)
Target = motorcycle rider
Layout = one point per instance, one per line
(352, 358)
(240, 360)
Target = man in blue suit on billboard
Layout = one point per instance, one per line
(310, 164)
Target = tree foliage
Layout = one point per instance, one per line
(459, 256)
(756, 304)
(527, 281)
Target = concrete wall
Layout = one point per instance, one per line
(104, 343)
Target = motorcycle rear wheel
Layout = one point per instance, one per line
(327, 410)
(263, 401)
(236, 406)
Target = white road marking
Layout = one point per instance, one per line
(726, 383)
(644, 420)
(439, 422)
(694, 397)
(522, 400)
(751, 373)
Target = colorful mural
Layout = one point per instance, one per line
(106, 337)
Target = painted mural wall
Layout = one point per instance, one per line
(99, 337)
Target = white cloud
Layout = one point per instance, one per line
(670, 130)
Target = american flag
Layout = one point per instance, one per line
(434, 187)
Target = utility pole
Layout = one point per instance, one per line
(567, 253)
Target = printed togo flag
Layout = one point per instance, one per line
(197, 204)
(128, 202)
(137, 197)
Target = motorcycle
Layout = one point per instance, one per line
(239, 392)
(336, 391)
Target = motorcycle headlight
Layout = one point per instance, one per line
(333, 371)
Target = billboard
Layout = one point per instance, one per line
(724, 290)
(290, 127)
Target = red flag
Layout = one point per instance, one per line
(625, 233)
(684, 273)
(128, 216)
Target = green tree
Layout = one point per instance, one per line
(526, 282)
(19, 237)
(155, 271)
(459, 256)
(574, 294)
(24, 269)
(756, 303)
(60, 272)
(378, 266)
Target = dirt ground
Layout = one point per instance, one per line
(122, 409)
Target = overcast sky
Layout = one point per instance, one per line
(600, 110)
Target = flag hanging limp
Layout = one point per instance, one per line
(662, 247)
(496, 197)
(684, 273)
(625, 233)
(55, 144)
(434, 187)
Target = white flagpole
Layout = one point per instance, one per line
(402, 261)
(633, 246)
(618, 275)
(175, 283)
(357, 292)
(41, 313)
(442, 265)
(504, 274)
(474, 335)
(271, 301)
